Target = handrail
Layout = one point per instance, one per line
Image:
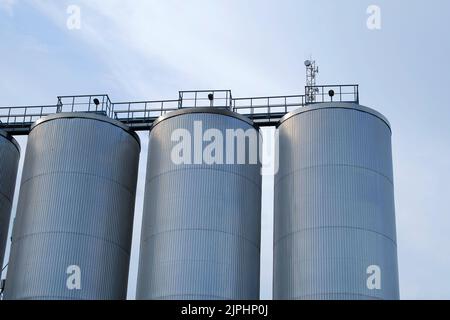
(140, 114)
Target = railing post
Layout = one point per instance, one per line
(145, 110)
(357, 94)
(195, 100)
(24, 116)
(180, 100)
(59, 105)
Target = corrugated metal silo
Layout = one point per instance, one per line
(9, 162)
(335, 233)
(73, 228)
(201, 225)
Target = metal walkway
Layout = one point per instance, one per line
(139, 115)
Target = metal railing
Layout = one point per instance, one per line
(24, 115)
(335, 93)
(99, 103)
(139, 115)
(267, 107)
(205, 98)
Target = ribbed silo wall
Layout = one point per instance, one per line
(9, 162)
(334, 205)
(201, 222)
(76, 208)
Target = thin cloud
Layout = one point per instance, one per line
(8, 6)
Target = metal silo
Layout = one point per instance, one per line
(9, 161)
(335, 235)
(73, 228)
(201, 223)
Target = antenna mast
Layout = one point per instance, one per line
(311, 73)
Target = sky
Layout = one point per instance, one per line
(149, 50)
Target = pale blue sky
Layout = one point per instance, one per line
(136, 50)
